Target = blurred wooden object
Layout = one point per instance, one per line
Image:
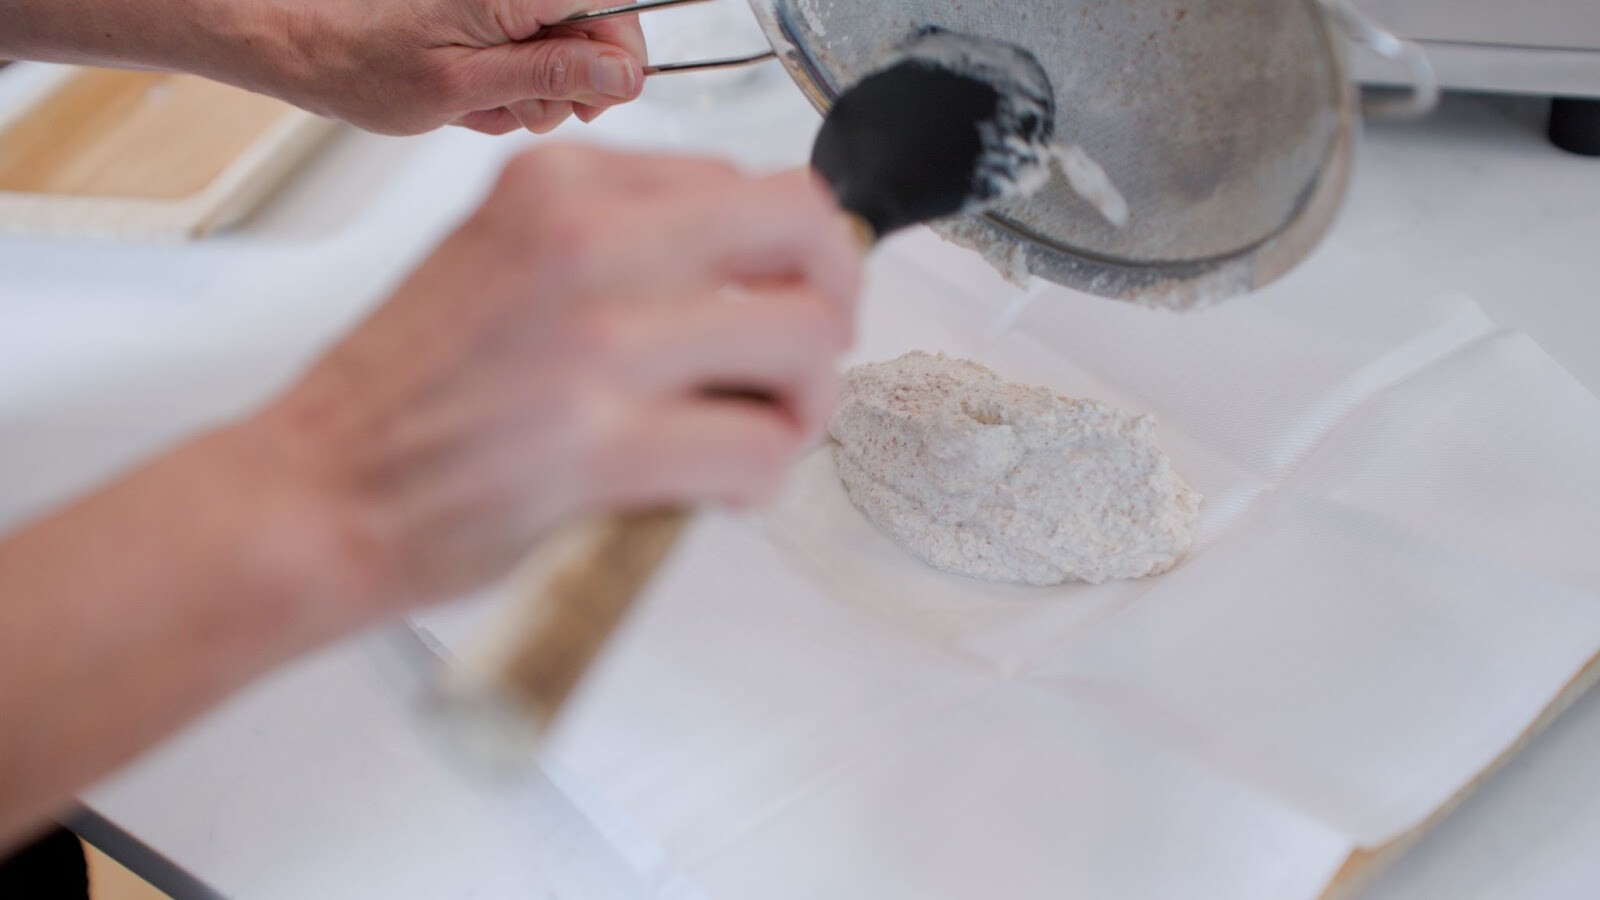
(112, 153)
(109, 880)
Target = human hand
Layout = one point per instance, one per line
(392, 66)
(407, 66)
(570, 349)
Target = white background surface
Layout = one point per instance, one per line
(315, 783)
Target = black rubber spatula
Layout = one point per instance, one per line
(956, 124)
(953, 124)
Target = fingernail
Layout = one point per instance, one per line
(613, 76)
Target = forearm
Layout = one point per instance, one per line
(244, 42)
(131, 611)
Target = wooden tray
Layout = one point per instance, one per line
(110, 153)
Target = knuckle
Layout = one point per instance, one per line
(572, 247)
(440, 84)
(540, 180)
(601, 337)
(557, 73)
(545, 124)
(549, 118)
(486, 122)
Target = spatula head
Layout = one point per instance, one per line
(952, 124)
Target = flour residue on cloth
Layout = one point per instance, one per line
(1007, 482)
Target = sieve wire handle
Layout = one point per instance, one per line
(626, 9)
(629, 9)
(1423, 94)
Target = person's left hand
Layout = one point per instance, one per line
(407, 66)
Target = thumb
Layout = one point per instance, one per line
(556, 68)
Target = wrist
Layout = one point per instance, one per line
(317, 565)
(203, 36)
(262, 46)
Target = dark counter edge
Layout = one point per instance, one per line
(136, 856)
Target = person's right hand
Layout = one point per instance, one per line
(563, 352)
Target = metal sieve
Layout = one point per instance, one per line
(1226, 124)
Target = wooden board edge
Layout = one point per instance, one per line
(1364, 865)
(236, 191)
(245, 184)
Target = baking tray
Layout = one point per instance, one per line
(144, 155)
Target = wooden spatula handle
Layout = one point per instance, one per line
(567, 598)
(586, 599)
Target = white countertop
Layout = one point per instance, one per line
(317, 783)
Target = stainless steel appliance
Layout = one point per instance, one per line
(1522, 46)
